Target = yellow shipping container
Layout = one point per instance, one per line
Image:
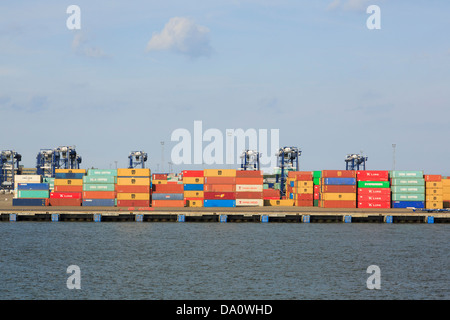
(139, 172)
(446, 190)
(445, 183)
(434, 205)
(219, 172)
(284, 203)
(431, 198)
(194, 203)
(133, 196)
(70, 170)
(433, 184)
(159, 181)
(193, 194)
(303, 190)
(193, 180)
(305, 184)
(68, 182)
(133, 181)
(339, 196)
(433, 191)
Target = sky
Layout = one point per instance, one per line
(134, 72)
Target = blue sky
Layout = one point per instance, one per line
(312, 69)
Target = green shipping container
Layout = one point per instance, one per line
(407, 182)
(408, 197)
(316, 203)
(316, 181)
(373, 184)
(317, 174)
(33, 194)
(407, 189)
(406, 174)
(99, 187)
(99, 179)
(102, 172)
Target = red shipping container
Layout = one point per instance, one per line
(305, 196)
(132, 189)
(219, 187)
(338, 189)
(68, 189)
(133, 203)
(372, 198)
(168, 188)
(338, 204)
(251, 180)
(167, 203)
(372, 175)
(375, 205)
(304, 176)
(249, 195)
(338, 174)
(99, 195)
(219, 195)
(374, 191)
(271, 193)
(316, 188)
(316, 195)
(220, 180)
(159, 176)
(65, 202)
(192, 173)
(433, 177)
(304, 203)
(65, 195)
(248, 173)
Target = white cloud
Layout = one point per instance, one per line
(184, 36)
(80, 45)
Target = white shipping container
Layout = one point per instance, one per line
(249, 187)
(250, 202)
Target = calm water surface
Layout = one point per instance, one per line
(223, 261)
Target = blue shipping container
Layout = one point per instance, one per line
(68, 175)
(99, 202)
(219, 203)
(30, 202)
(339, 181)
(33, 186)
(168, 196)
(193, 187)
(406, 204)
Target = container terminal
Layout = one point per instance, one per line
(59, 190)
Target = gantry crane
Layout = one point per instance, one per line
(250, 160)
(9, 164)
(137, 158)
(288, 159)
(355, 162)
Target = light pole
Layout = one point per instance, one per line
(393, 160)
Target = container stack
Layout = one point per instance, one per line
(373, 189)
(167, 193)
(99, 188)
(26, 178)
(446, 192)
(31, 193)
(249, 188)
(133, 187)
(270, 194)
(338, 189)
(434, 192)
(317, 184)
(219, 188)
(193, 181)
(68, 187)
(304, 189)
(407, 189)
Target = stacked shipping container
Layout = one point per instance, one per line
(446, 192)
(133, 187)
(166, 193)
(99, 188)
(32, 194)
(433, 192)
(338, 189)
(373, 189)
(219, 188)
(303, 192)
(407, 189)
(249, 188)
(193, 181)
(317, 184)
(68, 187)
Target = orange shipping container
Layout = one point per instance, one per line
(338, 174)
(220, 180)
(133, 203)
(168, 203)
(68, 189)
(219, 187)
(248, 173)
(99, 195)
(249, 180)
(433, 177)
(132, 189)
